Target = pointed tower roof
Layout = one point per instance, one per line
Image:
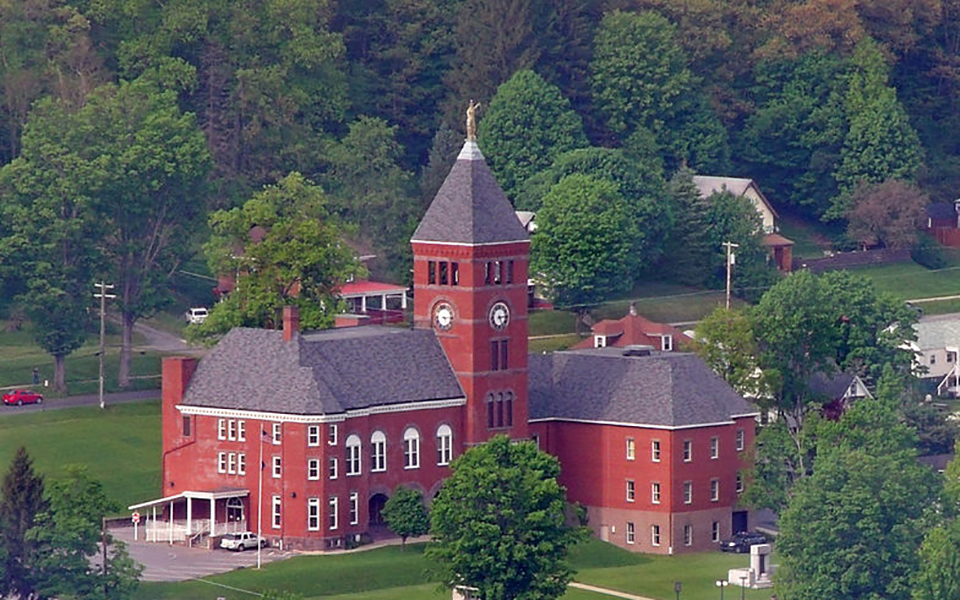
(470, 207)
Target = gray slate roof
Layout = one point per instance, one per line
(326, 372)
(470, 207)
(938, 331)
(942, 210)
(668, 390)
(832, 386)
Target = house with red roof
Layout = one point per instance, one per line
(633, 330)
(304, 435)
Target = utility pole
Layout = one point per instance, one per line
(103, 295)
(731, 258)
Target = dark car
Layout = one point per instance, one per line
(21, 397)
(742, 541)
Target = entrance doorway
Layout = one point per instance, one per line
(234, 510)
(377, 502)
(740, 522)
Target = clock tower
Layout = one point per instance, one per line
(470, 257)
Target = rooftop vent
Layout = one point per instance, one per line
(638, 350)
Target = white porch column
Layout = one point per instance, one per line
(189, 517)
(383, 301)
(403, 300)
(170, 527)
(213, 517)
(363, 304)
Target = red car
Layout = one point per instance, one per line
(21, 397)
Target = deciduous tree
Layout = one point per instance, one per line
(498, 523)
(528, 124)
(69, 538)
(851, 530)
(405, 514)
(887, 214)
(586, 240)
(297, 259)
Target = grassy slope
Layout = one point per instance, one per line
(121, 446)
(910, 280)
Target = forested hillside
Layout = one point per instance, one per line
(128, 122)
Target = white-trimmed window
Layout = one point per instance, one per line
(241, 464)
(332, 434)
(241, 431)
(739, 440)
(631, 490)
(714, 490)
(333, 512)
(313, 469)
(687, 450)
(378, 451)
(631, 449)
(354, 508)
(411, 448)
(277, 467)
(599, 341)
(688, 492)
(655, 492)
(688, 535)
(221, 462)
(221, 429)
(655, 450)
(666, 342)
(714, 448)
(332, 467)
(313, 514)
(739, 482)
(715, 531)
(277, 512)
(277, 434)
(353, 454)
(232, 463)
(631, 533)
(313, 435)
(444, 445)
(231, 430)
(655, 535)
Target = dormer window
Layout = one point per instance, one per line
(667, 343)
(599, 341)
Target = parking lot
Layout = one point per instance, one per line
(165, 562)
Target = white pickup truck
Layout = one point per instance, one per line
(241, 541)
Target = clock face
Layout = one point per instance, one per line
(499, 316)
(443, 316)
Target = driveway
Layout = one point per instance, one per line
(163, 562)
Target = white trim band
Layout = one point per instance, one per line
(334, 418)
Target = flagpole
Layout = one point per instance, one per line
(260, 498)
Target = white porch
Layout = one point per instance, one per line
(199, 517)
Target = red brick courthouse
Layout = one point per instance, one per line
(652, 443)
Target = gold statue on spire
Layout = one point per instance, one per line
(472, 120)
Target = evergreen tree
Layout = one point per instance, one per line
(735, 219)
(21, 501)
(880, 144)
(687, 255)
(528, 124)
(443, 153)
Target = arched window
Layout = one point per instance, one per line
(444, 445)
(353, 454)
(411, 448)
(378, 451)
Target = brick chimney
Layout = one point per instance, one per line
(291, 322)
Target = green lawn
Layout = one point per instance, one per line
(389, 574)
(910, 280)
(120, 445)
(19, 354)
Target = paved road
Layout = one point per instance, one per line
(85, 400)
(163, 562)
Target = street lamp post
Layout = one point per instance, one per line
(721, 583)
(677, 586)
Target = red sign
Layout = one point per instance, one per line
(135, 517)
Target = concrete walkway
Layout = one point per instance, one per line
(605, 591)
